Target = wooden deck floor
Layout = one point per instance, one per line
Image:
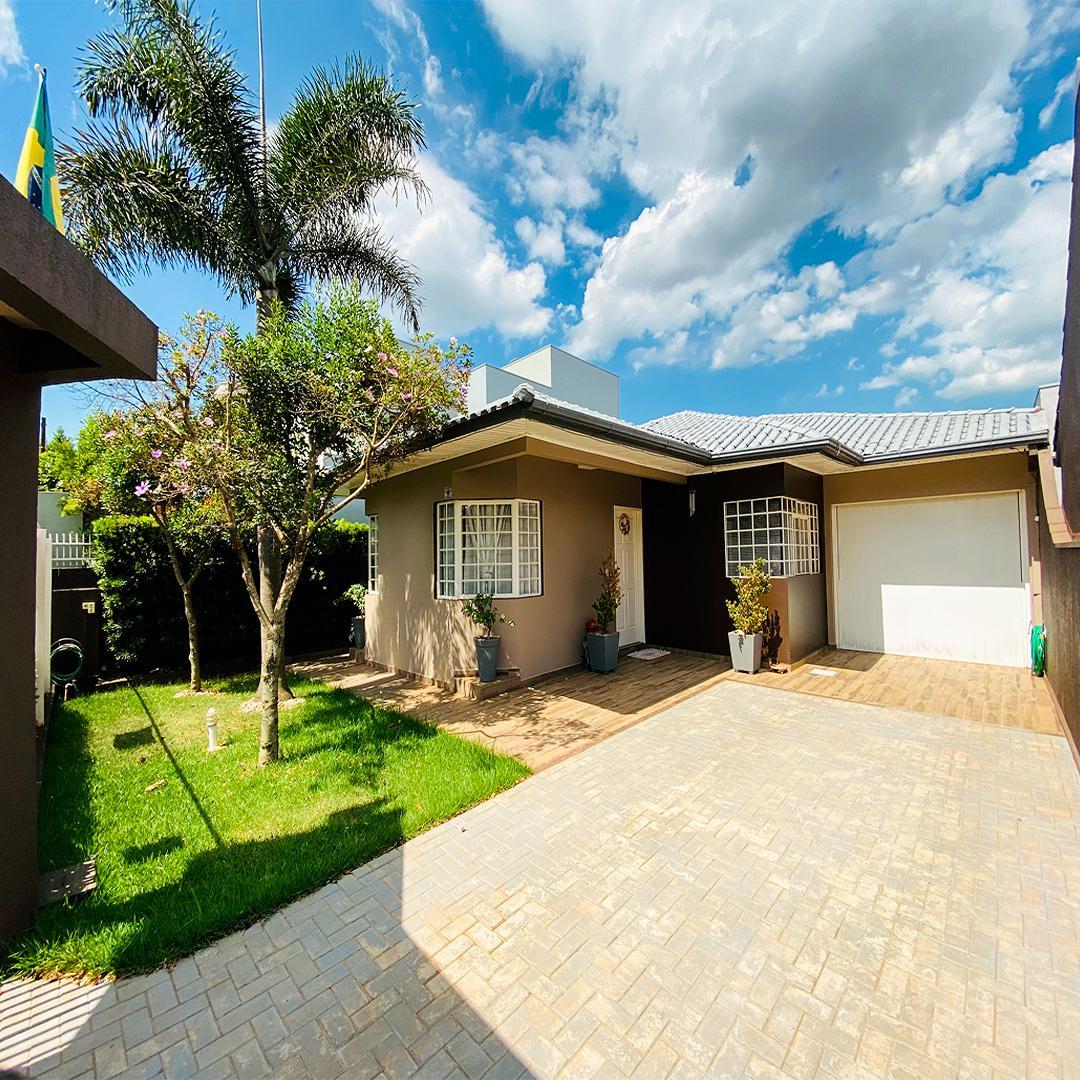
(562, 715)
(1009, 697)
(548, 720)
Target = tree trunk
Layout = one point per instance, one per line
(269, 587)
(194, 663)
(272, 642)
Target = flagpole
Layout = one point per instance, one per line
(262, 87)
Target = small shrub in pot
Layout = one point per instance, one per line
(748, 616)
(482, 611)
(357, 596)
(602, 645)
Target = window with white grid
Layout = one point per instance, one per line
(779, 529)
(487, 546)
(373, 553)
(446, 545)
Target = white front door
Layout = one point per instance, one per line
(629, 554)
(944, 578)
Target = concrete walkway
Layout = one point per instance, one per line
(752, 881)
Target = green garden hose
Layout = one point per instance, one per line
(1038, 649)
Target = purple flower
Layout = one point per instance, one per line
(184, 463)
(407, 396)
(142, 488)
(208, 422)
(155, 453)
(110, 434)
(382, 357)
(392, 371)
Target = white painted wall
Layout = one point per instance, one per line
(43, 622)
(551, 371)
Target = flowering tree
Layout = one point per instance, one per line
(319, 403)
(144, 465)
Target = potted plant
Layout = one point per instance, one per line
(357, 596)
(482, 611)
(602, 644)
(748, 616)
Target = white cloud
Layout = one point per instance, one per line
(469, 280)
(825, 390)
(11, 50)
(905, 397)
(881, 119)
(543, 241)
(980, 286)
(549, 173)
(1066, 86)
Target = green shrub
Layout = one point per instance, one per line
(143, 613)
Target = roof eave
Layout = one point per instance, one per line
(571, 420)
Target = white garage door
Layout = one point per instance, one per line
(943, 578)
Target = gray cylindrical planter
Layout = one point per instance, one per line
(487, 657)
(603, 651)
(745, 651)
(358, 632)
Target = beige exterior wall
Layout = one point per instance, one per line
(962, 476)
(409, 630)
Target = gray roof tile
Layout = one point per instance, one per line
(869, 435)
(863, 436)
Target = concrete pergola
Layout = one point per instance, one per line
(61, 321)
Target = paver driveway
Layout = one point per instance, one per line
(753, 880)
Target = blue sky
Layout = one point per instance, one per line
(736, 207)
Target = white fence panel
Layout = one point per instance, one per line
(71, 550)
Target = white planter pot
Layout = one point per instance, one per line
(745, 651)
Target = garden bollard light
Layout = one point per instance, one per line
(211, 731)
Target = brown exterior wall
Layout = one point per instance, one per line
(962, 476)
(1061, 617)
(1068, 419)
(19, 407)
(410, 630)
(686, 586)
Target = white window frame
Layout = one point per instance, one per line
(450, 549)
(784, 531)
(373, 553)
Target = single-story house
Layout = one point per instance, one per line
(910, 533)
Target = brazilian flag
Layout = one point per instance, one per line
(36, 175)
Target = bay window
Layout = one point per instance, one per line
(487, 546)
(779, 529)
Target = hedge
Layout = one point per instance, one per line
(144, 616)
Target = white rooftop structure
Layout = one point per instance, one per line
(551, 371)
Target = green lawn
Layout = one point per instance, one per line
(223, 842)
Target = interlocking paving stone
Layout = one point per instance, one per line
(751, 883)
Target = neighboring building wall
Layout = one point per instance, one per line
(551, 371)
(686, 585)
(19, 408)
(962, 476)
(410, 630)
(354, 510)
(50, 515)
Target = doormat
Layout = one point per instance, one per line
(649, 654)
(823, 671)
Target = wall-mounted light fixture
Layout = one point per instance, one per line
(693, 501)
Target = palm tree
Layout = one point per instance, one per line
(176, 168)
